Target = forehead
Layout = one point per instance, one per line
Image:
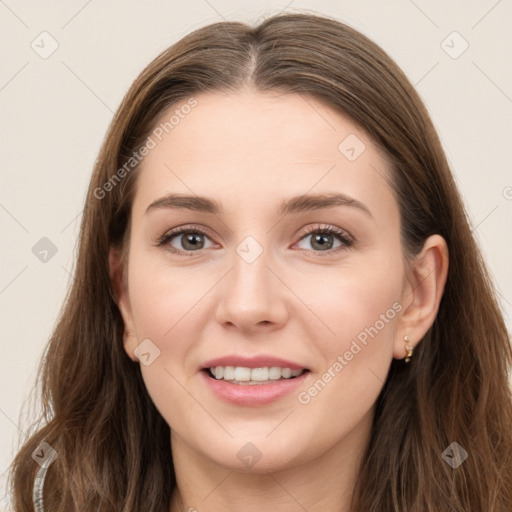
(255, 149)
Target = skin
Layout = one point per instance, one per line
(250, 151)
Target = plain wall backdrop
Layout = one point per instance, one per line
(67, 65)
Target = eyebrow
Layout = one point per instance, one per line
(297, 204)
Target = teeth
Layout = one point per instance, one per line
(259, 374)
(286, 373)
(241, 374)
(274, 373)
(229, 372)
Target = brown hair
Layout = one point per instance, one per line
(113, 445)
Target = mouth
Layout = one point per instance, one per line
(245, 376)
(255, 380)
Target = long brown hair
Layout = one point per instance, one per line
(113, 446)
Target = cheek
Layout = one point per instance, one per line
(355, 299)
(161, 296)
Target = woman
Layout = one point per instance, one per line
(278, 303)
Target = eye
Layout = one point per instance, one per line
(322, 239)
(189, 239)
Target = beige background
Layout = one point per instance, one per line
(55, 110)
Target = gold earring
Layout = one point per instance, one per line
(408, 349)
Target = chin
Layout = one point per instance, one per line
(260, 456)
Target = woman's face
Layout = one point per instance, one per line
(259, 285)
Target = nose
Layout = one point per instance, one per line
(252, 296)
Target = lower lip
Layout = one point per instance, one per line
(253, 395)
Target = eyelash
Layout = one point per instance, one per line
(346, 239)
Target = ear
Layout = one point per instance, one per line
(119, 279)
(422, 294)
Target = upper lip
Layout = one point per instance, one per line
(261, 361)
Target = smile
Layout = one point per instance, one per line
(244, 388)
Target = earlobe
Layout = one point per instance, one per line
(428, 274)
(118, 281)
